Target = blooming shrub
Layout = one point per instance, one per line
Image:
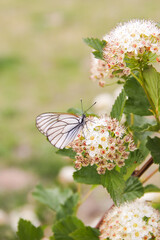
(106, 145)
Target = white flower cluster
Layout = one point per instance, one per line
(131, 221)
(103, 142)
(132, 39)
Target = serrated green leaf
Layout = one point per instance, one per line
(63, 228)
(143, 124)
(112, 180)
(98, 55)
(152, 85)
(67, 153)
(96, 44)
(152, 57)
(69, 207)
(133, 189)
(85, 233)
(134, 159)
(151, 188)
(87, 175)
(53, 198)
(118, 107)
(137, 102)
(27, 231)
(114, 183)
(146, 127)
(153, 144)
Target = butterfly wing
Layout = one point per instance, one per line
(45, 120)
(60, 128)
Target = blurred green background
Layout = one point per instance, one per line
(44, 66)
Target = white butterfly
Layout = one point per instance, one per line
(61, 128)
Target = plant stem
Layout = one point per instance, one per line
(86, 196)
(132, 119)
(138, 79)
(148, 177)
(149, 98)
(138, 173)
(110, 84)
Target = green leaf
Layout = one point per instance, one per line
(153, 144)
(96, 44)
(143, 124)
(134, 159)
(133, 189)
(63, 228)
(87, 175)
(74, 111)
(114, 182)
(156, 205)
(118, 107)
(140, 137)
(146, 127)
(26, 231)
(151, 188)
(152, 84)
(137, 102)
(53, 198)
(131, 63)
(152, 57)
(69, 207)
(85, 233)
(67, 153)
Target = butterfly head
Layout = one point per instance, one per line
(83, 119)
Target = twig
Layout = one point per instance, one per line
(87, 195)
(138, 173)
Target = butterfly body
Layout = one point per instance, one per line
(60, 128)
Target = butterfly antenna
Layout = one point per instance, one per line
(90, 107)
(82, 106)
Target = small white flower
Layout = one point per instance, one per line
(126, 222)
(102, 142)
(131, 39)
